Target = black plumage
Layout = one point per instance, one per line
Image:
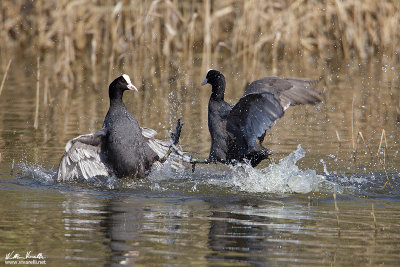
(235, 130)
(121, 148)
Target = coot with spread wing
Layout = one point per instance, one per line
(236, 129)
(121, 148)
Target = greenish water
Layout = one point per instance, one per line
(278, 214)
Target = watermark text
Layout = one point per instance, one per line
(25, 258)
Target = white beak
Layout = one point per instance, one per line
(131, 87)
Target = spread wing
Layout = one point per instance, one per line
(263, 103)
(250, 118)
(161, 148)
(289, 91)
(82, 159)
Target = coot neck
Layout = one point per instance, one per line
(116, 97)
(218, 89)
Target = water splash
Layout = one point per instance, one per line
(37, 173)
(284, 177)
(48, 177)
(325, 167)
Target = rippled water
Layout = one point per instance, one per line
(281, 213)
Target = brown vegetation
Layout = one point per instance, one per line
(169, 31)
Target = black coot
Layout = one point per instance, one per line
(120, 148)
(235, 130)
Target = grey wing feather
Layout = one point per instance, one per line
(82, 159)
(289, 91)
(158, 146)
(301, 92)
(148, 133)
(161, 148)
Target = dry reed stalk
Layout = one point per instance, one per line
(115, 22)
(383, 161)
(5, 76)
(36, 121)
(373, 216)
(207, 35)
(365, 144)
(93, 60)
(358, 137)
(352, 124)
(336, 208)
(359, 134)
(191, 39)
(46, 91)
(383, 137)
(338, 136)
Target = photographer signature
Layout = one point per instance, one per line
(28, 255)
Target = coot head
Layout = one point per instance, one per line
(212, 77)
(119, 85)
(217, 81)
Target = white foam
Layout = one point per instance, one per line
(284, 177)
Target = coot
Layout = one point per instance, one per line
(235, 130)
(120, 148)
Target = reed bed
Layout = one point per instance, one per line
(169, 33)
